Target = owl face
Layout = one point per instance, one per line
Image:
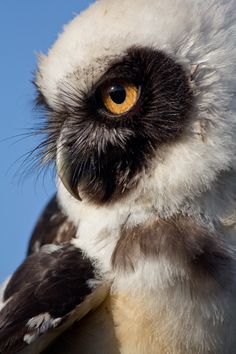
(110, 134)
(139, 100)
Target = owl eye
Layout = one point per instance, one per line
(119, 98)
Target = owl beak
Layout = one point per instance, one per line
(67, 176)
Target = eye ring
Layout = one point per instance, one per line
(119, 97)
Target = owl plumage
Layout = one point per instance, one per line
(139, 101)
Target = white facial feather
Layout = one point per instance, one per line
(192, 32)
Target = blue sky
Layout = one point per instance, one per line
(26, 27)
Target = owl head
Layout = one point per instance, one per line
(140, 103)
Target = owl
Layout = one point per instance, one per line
(136, 252)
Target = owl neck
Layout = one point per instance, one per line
(110, 233)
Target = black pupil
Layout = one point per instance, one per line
(117, 94)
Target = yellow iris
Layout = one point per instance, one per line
(119, 98)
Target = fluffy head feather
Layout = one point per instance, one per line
(197, 35)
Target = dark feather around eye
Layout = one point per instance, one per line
(159, 117)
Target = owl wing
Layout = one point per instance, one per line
(51, 290)
(53, 226)
(55, 286)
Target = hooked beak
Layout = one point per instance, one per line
(67, 175)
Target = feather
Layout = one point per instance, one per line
(51, 290)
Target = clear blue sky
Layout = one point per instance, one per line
(26, 27)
